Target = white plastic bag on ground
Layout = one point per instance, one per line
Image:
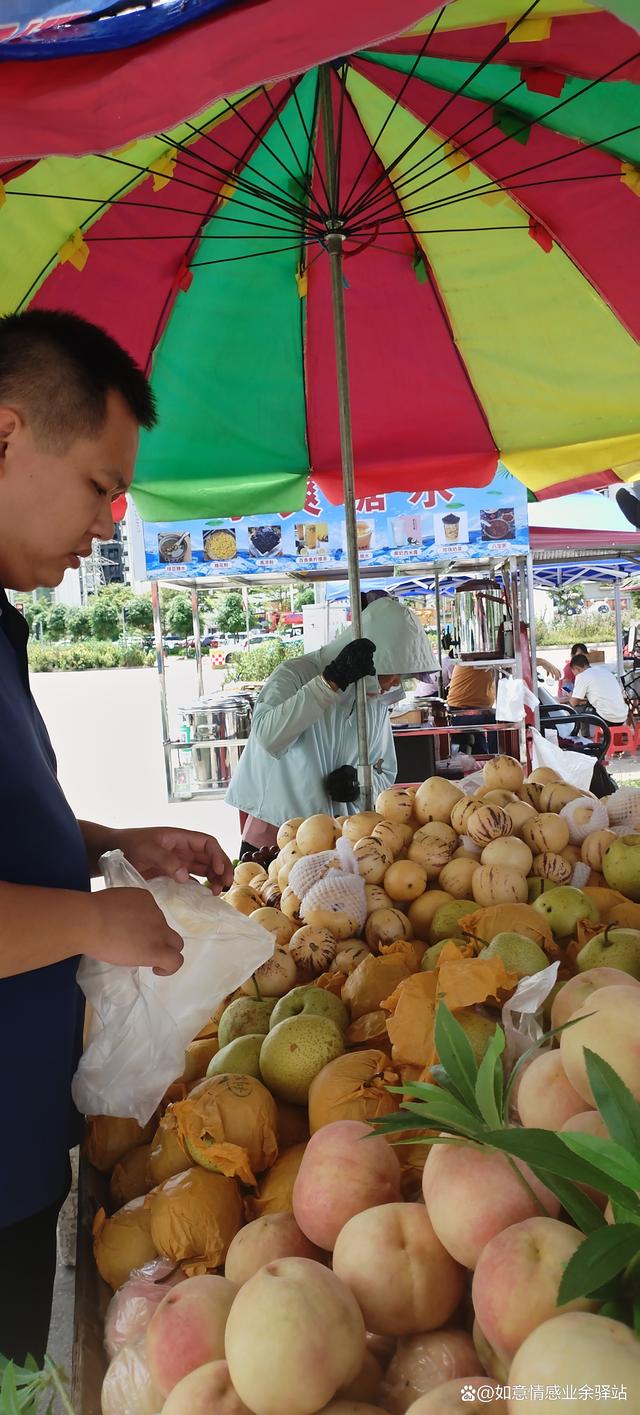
(142, 1023)
(574, 768)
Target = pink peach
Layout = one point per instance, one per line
(345, 1169)
(187, 1330)
(269, 1237)
(471, 1195)
(516, 1281)
(545, 1097)
(205, 1391)
(402, 1277)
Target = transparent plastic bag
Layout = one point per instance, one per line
(522, 1015)
(133, 1305)
(142, 1023)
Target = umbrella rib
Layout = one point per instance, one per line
(254, 255)
(500, 44)
(284, 132)
(310, 139)
(268, 149)
(584, 147)
(242, 182)
(420, 55)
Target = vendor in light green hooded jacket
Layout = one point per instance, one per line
(302, 753)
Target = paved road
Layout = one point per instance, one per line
(106, 730)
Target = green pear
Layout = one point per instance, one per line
(445, 920)
(519, 954)
(563, 907)
(479, 1031)
(306, 1000)
(294, 1052)
(241, 1056)
(243, 1017)
(613, 948)
(621, 866)
(536, 887)
(432, 953)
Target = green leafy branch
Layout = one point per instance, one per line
(23, 1388)
(469, 1104)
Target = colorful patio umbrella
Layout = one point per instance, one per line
(486, 206)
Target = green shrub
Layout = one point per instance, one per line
(577, 628)
(255, 665)
(90, 653)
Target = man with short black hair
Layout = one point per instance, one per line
(596, 686)
(71, 405)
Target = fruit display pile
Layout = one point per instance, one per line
(373, 1189)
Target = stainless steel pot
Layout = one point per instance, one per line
(218, 719)
(479, 612)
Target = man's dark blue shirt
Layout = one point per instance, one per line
(41, 1011)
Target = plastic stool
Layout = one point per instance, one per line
(623, 739)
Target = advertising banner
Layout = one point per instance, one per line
(401, 530)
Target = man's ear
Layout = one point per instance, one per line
(11, 423)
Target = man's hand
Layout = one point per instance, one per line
(352, 663)
(342, 784)
(130, 929)
(163, 850)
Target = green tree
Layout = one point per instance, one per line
(231, 615)
(106, 619)
(569, 600)
(55, 624)
(178, 618)
(79, 624)
(139, 614)
(304, 596)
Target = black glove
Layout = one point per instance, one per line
(354, 662)
(342, 784)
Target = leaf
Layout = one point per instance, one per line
(612, 1160)
(585, 1214)
(9, 1391)
(618, 1108)
(456, 1055)
(545, 1153)
(489, 1081)
(600, 1257)
(445, 1113)
(623, 1215)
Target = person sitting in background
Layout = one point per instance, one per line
(568, 677)
(471, 700)
(599, 689)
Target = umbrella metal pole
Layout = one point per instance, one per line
(164, 707)
(619, 633)
(333, 244)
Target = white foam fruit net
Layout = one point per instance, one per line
(597, 818)
(330, 880)
(623, 809)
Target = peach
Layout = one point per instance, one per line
(295, 1336)
(206, 1391)
(589, 1122)
(367, 1382)
(545, 1097)
(423, 1363)
(401, 1276)
(612, 1032)
(351, 1407)
(526, 1262)
(452, 1397)
(576, 1349)
(578, 990)
(471, 1195)
(187, 1330)
(343, 1171)
(269, 1237)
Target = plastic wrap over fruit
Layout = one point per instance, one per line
(127, 1387)
(132, 1307)
(522, 1014)
(583, 816)
(141, 1022)
(623, 809)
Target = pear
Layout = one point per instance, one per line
(621, 866)
(295, 1051)
(613, 948)
(431, 955)
(308, 1000)
(537, 886)
(445, 920)
(479, 1030)
(243, 1017)
(519, 954)
(563, 907)
(241, 1056)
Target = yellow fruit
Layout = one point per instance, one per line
(514, 854)
(593, 848)
(276, 923)
(372, 859)
(313, 950)
(496, 797)
(317, 833)
(557, 795)
(531, 793)
(247, 872)
(422, 910)
(546, 832)
(496, 884)
(571, 854)
(290, 906)
(405, 880)
(503, 773)
(377, 898)
(336, 921)
(488, 823)
(552, 866)
(518, 813)
(288, 831)
(543, 776)
(396, 804)
(243, 899)
(360, 826)
(432, 846)
(385, 926)
(435, 800)
(390, 835)
(456, 877)
(461, 812)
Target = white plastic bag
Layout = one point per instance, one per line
(142, 1023)
(522, 1014)
(512, 697)
(574, 768)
